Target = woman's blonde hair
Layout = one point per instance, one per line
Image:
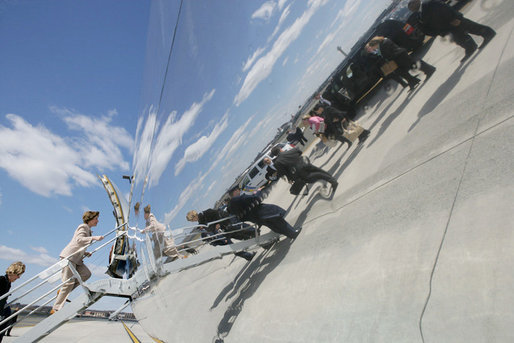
(17, 268)
(191, 215)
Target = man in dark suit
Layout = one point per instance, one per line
(438, 18)
(386, 49)
(250, 208)
(215, 233)
(291, 164)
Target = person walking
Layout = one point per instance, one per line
(215, 230)
(292, 165)
(167, 244)
(390, 52)
(335, 122)
(249, 207)
(13, 273)
(438, 18)
(75, 252)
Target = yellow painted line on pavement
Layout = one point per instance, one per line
(131, 334)
(157, 340)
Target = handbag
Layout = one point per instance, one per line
(388, 67)
(353, 131)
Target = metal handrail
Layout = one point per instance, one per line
(210, 237)
(50, 272)
(201, 225)
(59, 262)
(35, 301)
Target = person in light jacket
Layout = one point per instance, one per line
(75, 252)
(157, 229)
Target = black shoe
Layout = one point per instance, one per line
(334, 187)
(363, 136)
(297, 232)
(249, 256)
(413, 84)
(428, 72)
(468, 54)
(487, 37)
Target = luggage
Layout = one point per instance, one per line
(353, 131)
(388, 67)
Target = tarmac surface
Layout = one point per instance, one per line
(82, 330)
(415, 246)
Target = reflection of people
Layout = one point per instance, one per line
(296, 136)
(291, 164)
(438, 18)
(13, 273)
(335, 120)
(215, 230)
(389, 51)
(75, 251)
(157, 229)
(250, 208)
(271, 171)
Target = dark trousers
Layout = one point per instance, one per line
(311, 174)
(462, 37)
(7, 313)
(272, 216)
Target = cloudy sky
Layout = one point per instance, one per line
(91, 88)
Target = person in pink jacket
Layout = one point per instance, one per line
(315, 123)
(75, 252)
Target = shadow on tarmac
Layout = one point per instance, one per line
(443, 90)
(246, 284)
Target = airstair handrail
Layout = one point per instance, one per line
(60, 263)
(200, 225)
(32, 303)
(210, 238)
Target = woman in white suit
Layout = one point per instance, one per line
(75, 251)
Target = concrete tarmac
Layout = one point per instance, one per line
(87, 331)
(416, 245)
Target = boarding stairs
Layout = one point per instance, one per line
(152, 268)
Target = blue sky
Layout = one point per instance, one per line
(80, 95)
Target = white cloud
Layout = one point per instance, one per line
(144, 137)
(328, 39)
(283, 17)
(196, 150)
(157, 142)
(265, 11)
(252, 59)
(350, 7)
(236, 141)
(101, 145)
(41, 259)
(285, 61)
(48, 164)
(40, 250)
(191, 190)
(263, 67)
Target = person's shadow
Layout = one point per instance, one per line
(246, 284)
(442, 91)
(392, 116)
